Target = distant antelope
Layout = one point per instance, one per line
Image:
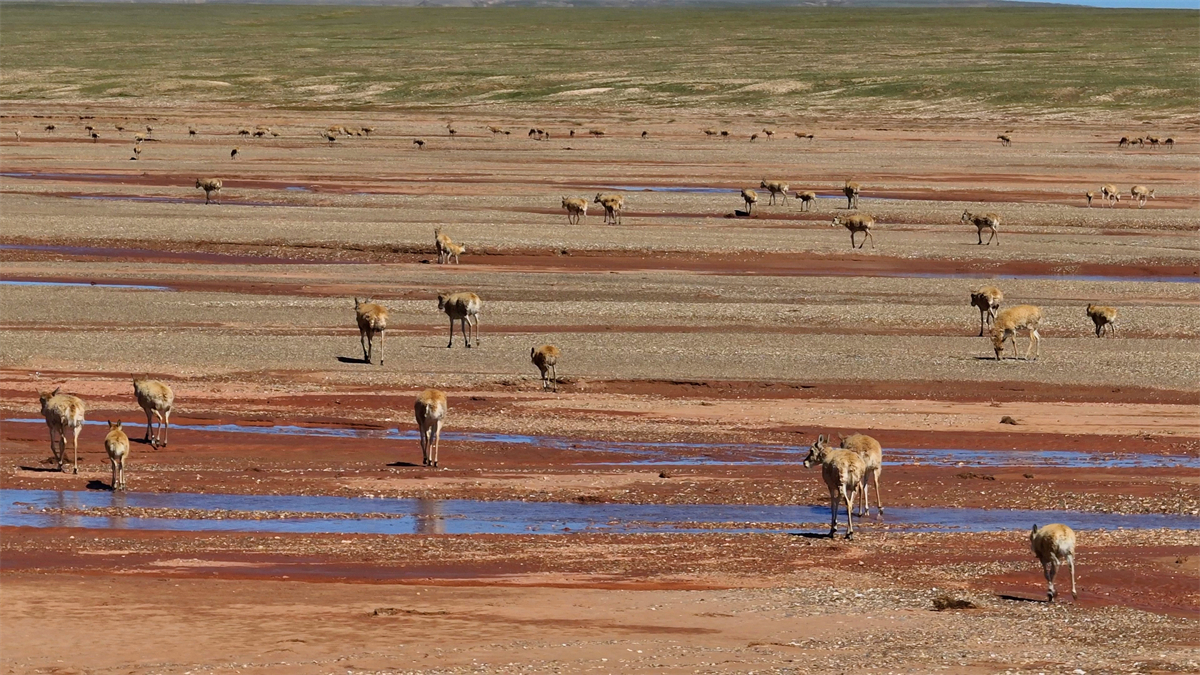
(137, 152)
(612, 207)
(872, 456)
(464, 308)
(419, 143)
(1140, 194)
(367, 131)
(857, 223)
(331, 137)
(645, 134)
(751, 198)
(430, 409)
(1103, 317)
(724, 134)
(986, 221)
(545, 358)
(450, 129)
(1052, 545)
(62, 412)
(1013, 319)
(1090, 196)
(710, 132)
(1004, 140)
(138, 139)
(233, 153)
(243, 132)
(372, 320)
(95, 136)
(116, 444)
(89, 129)
(155, 399)
(987, 299)
(1111, 195)
(1124, 142)
(842, 471)
(753, 137)
(211, 186)
(17, 134)
(50, 128)
(775, 187)
(495, 130)
(851, 190)
(149, 131)
(1153, 141)
(770, 133)
(807, 199)
(803, 135)
(576, 209)
(596, 132)
(1170, 143)
(260, 133)
(191, 132)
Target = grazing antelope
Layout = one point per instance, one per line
(211, 186)
(851, 190)
(1013, 319)
(430, 409)
(138, 139)
(233, 153)
(495, 130)
(770, 133)
(775, 187)
(645, 134)
(857, 223)
(576, 209)
(1052, 545)
(807, 199)
(872, 456)
(1103, 317)
(367, 131)
(751, 198)
(987, 299)
(802, 135)
(1090, 196)
(156, 400)
(116, 444)
(612, 207)
(243, 132)
(62, 412)
(464, 308)
(1170, 143)
(1153, 141)
(987, 221)
(441, 243)
(419, 143)
(89, 129)
(1140, 194)
(843, 471)
(1110, 193)
(753, 137)
(596, 132)
(545, 358)
(372, 320)
(710, 132)
(1124, 142)
(1004, 140)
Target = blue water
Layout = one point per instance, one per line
(457, 516)
(138, 287)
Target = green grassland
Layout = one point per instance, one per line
(948, 63)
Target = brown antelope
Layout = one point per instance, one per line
(1090, 196)
(857, 223)
(770, 133)
(987, 221)
(872, 456)
(1153, 141)
(807, 199)
(1170, 143)
(464, 308)
(775, 187)
(430, 409)
(1013, 319)
(62, 412)
(1140, 194)
(576, 209)
(1052, 545)
(612, 207)
(441, 243)
(842, 471)
(156, 399)
(116, 444)
(454, 250)
(372, 321)
(803, 135)
(987, 299)
(419, 143)
(1004, 140)
(546, 358)
(1111, 195)
(851, 190)
(751, 198)
(1103, 317)
(1124, 142)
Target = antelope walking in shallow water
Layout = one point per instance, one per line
(1052, 545)
(545, 358)
(987, 299)
(372, 320)
(430, 409)
(464, 308)
(872, 456)
(155, 399)
(116, 444)
(842, 471)
(1013, 319)
(62, 412)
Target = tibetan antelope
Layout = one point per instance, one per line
(987, 221)
(857, 223)
(233, 153)
(770, 133)
(843, 471)
(1052, 545)
(1090, 196)
(545, 358)
(211, 187)
(62, 412)
(116, 444)
(775, 187)
(1103, 317)
(464, 308)
(1009, 321)
(851, 190)
(156, 399)
(803, 135)
(372, 320)
(1170, 143)
(872, 456)
(1124, 142)
(419, 143)
(1140, 194)
(1111, 195)
(612, 207)
(987, 300)
(1004, 140)
(751, 198)
(430, 409)
(576, 209)
(1153, 141)
(807, 199)
(454, 250)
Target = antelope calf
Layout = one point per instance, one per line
(1013, 319)
(1111, 195)
(464, 308)
(775, 187)
(1090, 196)
(851, 190)
(576, 209)
(62, 412)
(156, 400)
(807, 199)
(372, 320)
(430, 409)
(987, 221)
(1052, 545)
(987, 299)
(1140, 194)
(1103, 317)
(1004, 140)
(116, 444)
(842, 471)
(872, 456)
(751, 198)
(612, 207)
(545, 358)
(857, 223)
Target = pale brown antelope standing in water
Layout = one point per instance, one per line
(872, 456)
(211, 186)
(775, 187)
(430, 409)
(851, 190)
(1103, 317)
(1017, 318)
(116, 444)
(1111, 195)
(807, 199)
(857, 223)
(751, 198)
(372, 320)
(1140, 194)
(576, 209)
(546, 358)
(842, 471)
(987, 300)
(464, 308)
(613, 204)
(156, 399)
(1054, 544)
(63, 412)
(986, 221)
(1004, 139)
(419, 143)
(1090, 196)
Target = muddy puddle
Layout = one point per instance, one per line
(712, 454)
